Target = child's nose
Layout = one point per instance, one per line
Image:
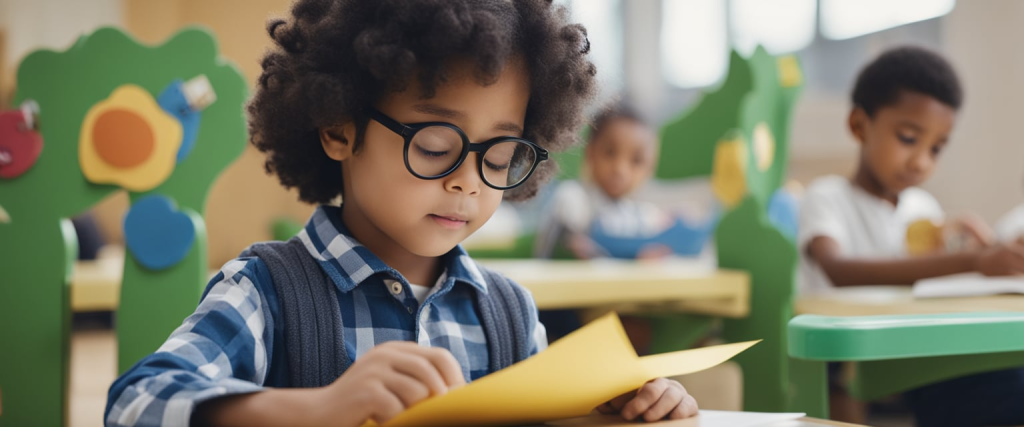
(921, 161)
(465, 179)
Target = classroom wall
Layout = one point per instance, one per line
(983, 169)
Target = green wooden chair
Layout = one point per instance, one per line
(898, 353)
(738, 136)
(165, 270)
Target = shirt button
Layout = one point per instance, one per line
(396, 288)
(411, 310)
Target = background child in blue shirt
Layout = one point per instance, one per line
(421, 116)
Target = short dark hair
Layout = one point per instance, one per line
(906, 69)
(610, 112)
(335, 58)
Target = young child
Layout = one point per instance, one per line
(421, 115)
(599, 218)
(853, 230)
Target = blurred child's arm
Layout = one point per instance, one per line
(658, 399)
(997, 260)
(977, 230)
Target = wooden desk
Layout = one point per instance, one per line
(673, 284)
(890, 300)
(615, 421)
(669, 285)
(96, 285)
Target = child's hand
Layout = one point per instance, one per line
(1001, 260)
(582, 247)
(979, 233)
(656, 400)
(388, 379)
(654, 251)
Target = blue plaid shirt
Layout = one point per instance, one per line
(234, 342)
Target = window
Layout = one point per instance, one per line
(781, 26)
(844, 19)
(694, 52)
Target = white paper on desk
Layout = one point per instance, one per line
(743, 419)
(967, 285)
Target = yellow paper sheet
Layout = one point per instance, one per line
(569, 379)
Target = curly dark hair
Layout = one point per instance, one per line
(906, 69)
(614, 110)
(335, 58)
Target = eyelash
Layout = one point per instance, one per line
(496, 167)
(429, 153)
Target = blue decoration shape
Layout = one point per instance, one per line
(784, 212)
(173, 101)
(157, 233)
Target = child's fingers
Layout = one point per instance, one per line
(385, 404)
(978, 229)
(422, 370)
(607, 408)
(442, 362)
(408, 389)
(669, 400)
(686, 409)
(617, 403)
(447, 366)
(645, 398)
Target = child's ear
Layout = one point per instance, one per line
(338, 141)
(858, 122)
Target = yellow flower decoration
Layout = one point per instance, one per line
(789, 71)
(764, 146)
(729, 174)
(128, 140)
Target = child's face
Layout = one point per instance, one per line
(621, 156)
(900, 145)
(397, 211)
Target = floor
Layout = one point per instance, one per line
(93, 369)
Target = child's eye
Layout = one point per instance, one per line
(492, 166)
(936, 150)
(429, 153)
(909, 140)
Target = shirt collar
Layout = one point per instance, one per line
(348, 263)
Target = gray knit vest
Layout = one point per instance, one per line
(313, 330)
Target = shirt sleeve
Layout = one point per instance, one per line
(221, 349)
(821, 216)
(1011, 226)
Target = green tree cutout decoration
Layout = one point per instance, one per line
(38, 245)
(738, 136)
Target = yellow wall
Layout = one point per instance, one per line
(244, 200)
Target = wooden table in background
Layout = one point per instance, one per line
(667, 285)
(673, 284)
(892, 300)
